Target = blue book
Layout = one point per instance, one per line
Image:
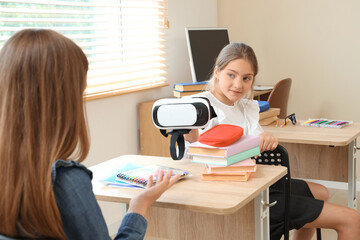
(190, 86)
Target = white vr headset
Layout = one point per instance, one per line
(179, 116)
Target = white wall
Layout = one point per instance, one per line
(316, 43)
(114, 123)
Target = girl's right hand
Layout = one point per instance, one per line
(267, 142)
(142, 202)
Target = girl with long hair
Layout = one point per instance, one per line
(45, 191)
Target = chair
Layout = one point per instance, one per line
(279, 96)
(279, 156)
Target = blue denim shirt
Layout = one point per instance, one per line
(80, 212)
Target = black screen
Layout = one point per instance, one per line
(205, 46)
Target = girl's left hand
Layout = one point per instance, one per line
(267, 142)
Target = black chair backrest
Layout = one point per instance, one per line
(280, 156)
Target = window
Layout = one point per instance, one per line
(123, 39)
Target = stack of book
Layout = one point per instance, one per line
(269, 116)
(230, 163)
(239, 171)
(185, 89)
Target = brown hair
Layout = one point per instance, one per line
(42, 118)
(232, 52)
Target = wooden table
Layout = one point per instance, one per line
(196, 209)
(259, 93)
(321, 153)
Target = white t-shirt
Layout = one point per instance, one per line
(245, 113)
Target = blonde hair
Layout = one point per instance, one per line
(232, 52)
(42, 118)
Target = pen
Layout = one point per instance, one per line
(340, 123)
(310, 121)
(322, 122)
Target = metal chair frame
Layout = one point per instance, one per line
(279, 156)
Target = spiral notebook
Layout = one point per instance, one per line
(139, 176)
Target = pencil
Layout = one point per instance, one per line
(287, 120)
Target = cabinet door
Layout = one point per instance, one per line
(152, 143)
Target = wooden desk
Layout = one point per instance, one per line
(195, 209)
(262, 94)
(321, 153)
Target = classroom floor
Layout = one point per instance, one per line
(337, 196)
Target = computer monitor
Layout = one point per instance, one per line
(204, 45)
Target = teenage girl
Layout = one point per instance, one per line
(44, 193)
(229, 91)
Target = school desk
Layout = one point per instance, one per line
(196, 209)
(321, 153)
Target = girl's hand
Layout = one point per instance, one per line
(267, 142)
(142, 202)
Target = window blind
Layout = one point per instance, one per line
(124, 40)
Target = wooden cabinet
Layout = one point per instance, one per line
(152, 143)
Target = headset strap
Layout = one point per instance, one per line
(177, 136)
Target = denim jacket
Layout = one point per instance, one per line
(80, 212)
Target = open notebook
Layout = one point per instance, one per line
(139, 176)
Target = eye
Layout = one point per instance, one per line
(231, 75)
(247, 78)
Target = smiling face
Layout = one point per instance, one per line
(234, 81)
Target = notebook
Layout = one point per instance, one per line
(139, 176)
(111, 179)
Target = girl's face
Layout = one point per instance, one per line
(234, 81)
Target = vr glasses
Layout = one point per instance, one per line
(179, 116)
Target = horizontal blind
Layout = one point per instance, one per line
(124, 40)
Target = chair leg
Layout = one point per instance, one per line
(318, 233)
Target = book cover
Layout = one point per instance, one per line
(247, 165)
(238, 177)
(246, 142)
(268, 121)
(190, 86)
(229, 160)
(182, 94)
(271, 112)
(139, 176)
